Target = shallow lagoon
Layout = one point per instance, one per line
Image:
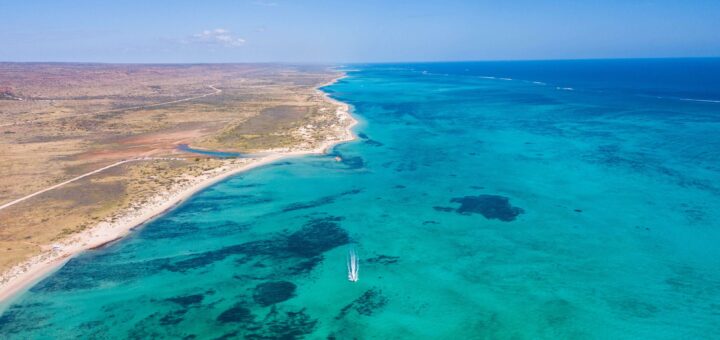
(480, 207)
(218, 154)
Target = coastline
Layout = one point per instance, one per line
(24, 275)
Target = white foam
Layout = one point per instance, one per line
(353, 266)
(690, 99)
(699, 100)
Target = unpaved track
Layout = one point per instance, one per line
(6, 205)
(215, 89)
(9, 204)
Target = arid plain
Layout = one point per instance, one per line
(62, 121)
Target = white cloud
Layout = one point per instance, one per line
(218, 36)
(266, 3)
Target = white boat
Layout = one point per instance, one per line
(353, 266)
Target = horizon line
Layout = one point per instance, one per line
(354, 62)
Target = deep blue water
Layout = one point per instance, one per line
(522, 200)
(679, 79)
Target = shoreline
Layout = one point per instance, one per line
(23, 276)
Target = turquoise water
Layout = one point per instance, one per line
(486, 200)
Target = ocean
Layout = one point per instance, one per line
(485, 200)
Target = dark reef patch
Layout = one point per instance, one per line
(305, 266)
(167, 228)
(231, 335)
(613, 155)
(270, 293)
(383, 259)
(173, 318)
(354, 162)
(236, 183)
(311, 204)
(272, 259)
(20, 318)
(187, 300)
(351, 162)
(250, 200)
(202, 206)
(406, 165)
(490, 206)
(222, 197)
(275, 325)
(218, 202)
(320, 201)
(236, 313)
(229, 226)
(147, 327)
(372, 142)
(367, 140)
(287, 325)
(314, 238)
(317, 236)
(637, 308)
(366, 304)
(78, 273)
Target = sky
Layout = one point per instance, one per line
(320, 31)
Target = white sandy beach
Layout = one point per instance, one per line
(24, 275)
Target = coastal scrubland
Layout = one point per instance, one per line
(59, 121)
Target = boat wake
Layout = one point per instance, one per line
(353, 266)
